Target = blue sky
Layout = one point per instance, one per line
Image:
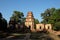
(36, 6)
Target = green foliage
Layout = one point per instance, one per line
(18, 16)
(3, 23)
(52, 16)
(18, 19)
(0, 15)
(36, 21)
(47, 15)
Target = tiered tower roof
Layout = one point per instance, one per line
(30, 17)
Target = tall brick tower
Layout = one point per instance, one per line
(30, 20)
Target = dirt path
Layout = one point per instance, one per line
(53, 35)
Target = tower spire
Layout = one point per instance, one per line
(30, 20)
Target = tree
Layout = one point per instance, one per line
(57, 26)
(0, 15)
(47, 15)
(52, 16)
(18, 16)
(17, 20)
(56, 17)
(12, 24)
(3, 23)
(36, 21)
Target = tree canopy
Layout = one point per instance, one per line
(52, 16)
(36, 21)
(3, 23)
(0, 15)
(18, 16)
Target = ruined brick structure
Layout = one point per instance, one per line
(39, 27)
(30, 20)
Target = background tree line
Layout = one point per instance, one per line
(52, 16)
(49, 16)
(3, 23)
(15, 24)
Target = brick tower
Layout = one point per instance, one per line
(30, 20)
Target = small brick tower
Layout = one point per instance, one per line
(30, 20)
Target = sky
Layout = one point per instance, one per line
(36, 6)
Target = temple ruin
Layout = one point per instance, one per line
(29, 22)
